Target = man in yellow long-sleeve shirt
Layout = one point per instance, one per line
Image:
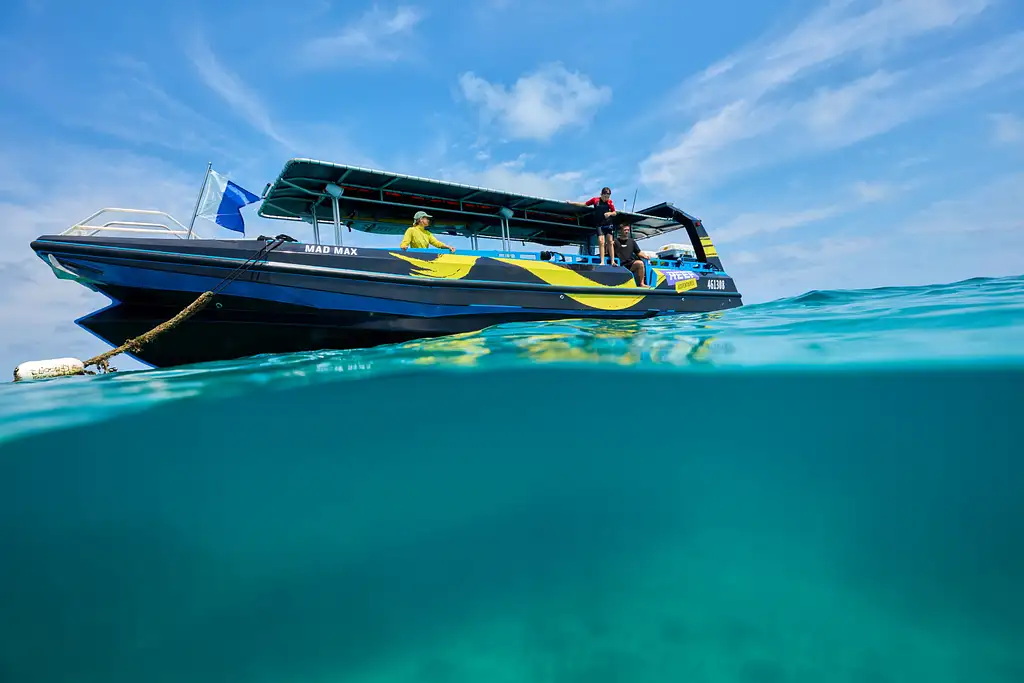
(418, 237)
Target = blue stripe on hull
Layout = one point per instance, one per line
(222, 257)
(160, 280)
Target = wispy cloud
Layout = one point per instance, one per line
(992, 208)
(539, 104)
(514, 176)
(821, 252)
(330, 139)
(768, 104)
(981, 225)
(232, 89)
(1007, 129)
(819, 263)
(90, 179)
(839, 31)
(873, 192)
(748, 224)
(135, 108)
(120, 98)
(377, 36)
(13, 182)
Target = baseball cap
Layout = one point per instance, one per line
(421, 214)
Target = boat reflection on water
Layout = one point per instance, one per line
(598, 342)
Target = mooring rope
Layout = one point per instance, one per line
(136, 343)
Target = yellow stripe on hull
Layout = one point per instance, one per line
(445, 266)
(560, 276)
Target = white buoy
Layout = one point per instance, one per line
(55, 367)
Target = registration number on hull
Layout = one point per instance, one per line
(718, 285)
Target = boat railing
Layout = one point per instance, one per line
(678, 263)
(164, 224)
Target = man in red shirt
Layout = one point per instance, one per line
(604, 210)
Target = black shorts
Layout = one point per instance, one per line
(606, 229)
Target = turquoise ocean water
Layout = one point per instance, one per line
(823, 488)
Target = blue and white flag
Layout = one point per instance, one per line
(222, 201)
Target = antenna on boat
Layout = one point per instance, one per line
(634, 199)
(202, 190)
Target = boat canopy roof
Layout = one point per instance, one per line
(384, 203)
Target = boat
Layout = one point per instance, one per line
(326, 294)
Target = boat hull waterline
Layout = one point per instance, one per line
(305, 297)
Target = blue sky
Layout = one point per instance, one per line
(844, 144)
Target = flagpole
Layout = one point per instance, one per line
(199, 199)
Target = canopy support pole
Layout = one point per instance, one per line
(506, 231)
(337, 220)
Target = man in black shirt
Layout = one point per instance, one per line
(629, 254)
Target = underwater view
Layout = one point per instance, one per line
(821, 488)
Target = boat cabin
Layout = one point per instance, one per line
(383, 203)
